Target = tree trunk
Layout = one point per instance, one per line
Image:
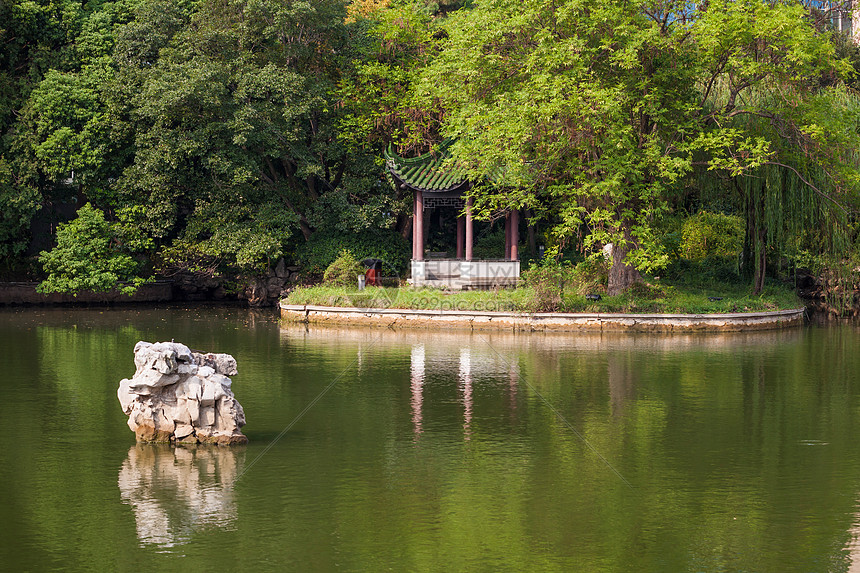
(759, 245)
(531, 231)
(760, 260)
(404, 225)
(621, 276)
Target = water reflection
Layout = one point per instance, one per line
(622, 375)
(722, 436)
(176, 491)
(544, 342)
(417, 371)
(466, 390)
(513, 386)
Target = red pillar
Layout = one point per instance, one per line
(414, 226)
(515, 234)
(418, 228)
(469, 229)
(507, 235)
(461, 236)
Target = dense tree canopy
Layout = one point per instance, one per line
(229, 133)
(597, 111)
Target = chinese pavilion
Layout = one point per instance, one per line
(436, 183)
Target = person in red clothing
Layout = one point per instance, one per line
(373, 275)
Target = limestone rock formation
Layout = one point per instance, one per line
(177, 395)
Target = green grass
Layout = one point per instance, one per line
(655, 296)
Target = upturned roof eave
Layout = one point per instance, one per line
(425, 173)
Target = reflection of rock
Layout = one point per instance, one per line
(175, 491)
(180, 395)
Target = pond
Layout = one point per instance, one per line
(375, 449)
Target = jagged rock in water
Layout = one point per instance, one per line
(177, 395)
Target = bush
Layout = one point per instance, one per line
(323, 248)
(88, 257)
(591, 275)
(550, 279)
(490, 245)
(547, 280)
(711, 235)
(344, 270)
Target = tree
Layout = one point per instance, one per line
(18, 204)
(594, 112)
(54, 119)
(775, 90)
(235, 112)
(89, 256)
(35, 36)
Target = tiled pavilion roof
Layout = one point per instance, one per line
(427, 173)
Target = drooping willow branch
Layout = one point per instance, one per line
(809, 184)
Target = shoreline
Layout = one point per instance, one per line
(543, 321)
(23, 293)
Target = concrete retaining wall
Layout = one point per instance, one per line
(560, 322)
(25, 293)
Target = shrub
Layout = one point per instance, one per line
(88, 257)
(711, 235)
(591, 275)
(547, 280)
(490, 245)
(344, 270)
(323, 248)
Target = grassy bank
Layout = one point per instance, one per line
(651, 297)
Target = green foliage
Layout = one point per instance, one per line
(491, 244)
(230, 238)
(547, 279)
(318, 253)
(18, 204)
(552, 282)
(591, 275)
(88, 258)
(224, 135)
(234, 110)
(653, 297)
(344, 270)
(711, 235)
(130, 235)
(69, 128)
(380, 103)
(611, 120)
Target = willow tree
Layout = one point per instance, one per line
(800, 202)
(594, 110)
(789, 126)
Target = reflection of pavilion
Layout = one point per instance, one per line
(418, 368)
(174, 491)
(436, 185)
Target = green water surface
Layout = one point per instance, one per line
(384, 450)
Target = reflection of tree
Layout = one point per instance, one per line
(623, 377)
(174, 491)
(719, 435)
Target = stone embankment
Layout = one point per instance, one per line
(554, 321)
(19, 293)
(177, 395)
(258, 291)
(183, 287)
